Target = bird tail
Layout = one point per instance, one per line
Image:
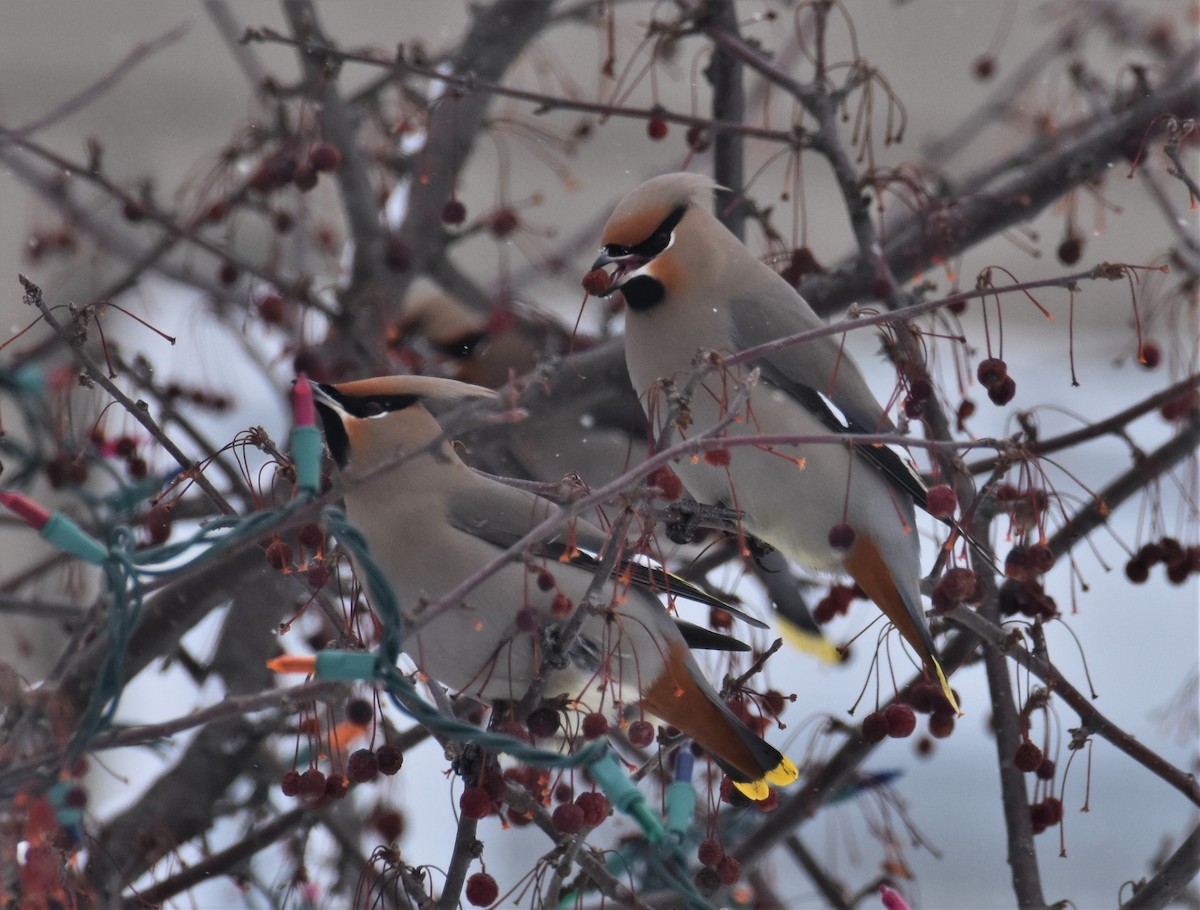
(685, 701)
(869, 570)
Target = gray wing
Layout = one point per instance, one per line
(827, 383)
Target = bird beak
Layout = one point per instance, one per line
(606, 258)
(627, 264)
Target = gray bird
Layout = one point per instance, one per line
(691, 286)
(430, 522)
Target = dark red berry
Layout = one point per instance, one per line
(270, 308)
(503, 223)
(595, 808)
(874, 727)
(312, 784)
(561, 605)
(318, 575)
(1027, 758)
(984, 67)
(158, 524)
(1137, 571)
(667, 482)
(1041, 558)
(311, 536)
(941, 723)
(1045, 770)
(1017, 564)
(913, 409)
(641, 733)
(717, 457)
(656, 127)
(900, 720)
(1070, 250)
(336, 786)
(941, 501)
(360, 712)
(1150, 355)
(707, 881)
(324, 157)
(729, 870)
(711, 852)
(362, 766)
(1053, 809)
(543, 723)
(567, 818)
(1003, 391)
(841, 536)
(721, 620)
(991, 371)
(228, 273)
(594, 725)
(454, 212)
(545, 581)
(527, 619)
(279, 554)
(482, 890)
(920, 389)
(564, 793)
(957, 585)
(290, 783)
(925, 697)
(388, 822)
(390, 759)
(475, 803)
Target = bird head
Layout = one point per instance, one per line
(371, 420)
(643, 234)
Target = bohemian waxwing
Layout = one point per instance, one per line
(430, 522)
(691, 286)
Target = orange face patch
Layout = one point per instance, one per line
(632, 229)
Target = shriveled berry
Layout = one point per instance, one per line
(875, 727)
(958, 584)
(1003, 391)
(595, 725)
(1017, 564)
(941, 501)
(711, 852)
(841, 536)
(900, 720)
(1137, 571)
(641, 733)
(1052, 806)
(318, 575)
(596, 282)
(1041, 558)
(594, 806)
(482, 890)
(311, 536)
(454, 212)
(729, 870)
(362, 766)
(475, 803)
(1045, 770)
(941, 723)
(324, 157)
(991, 371)
(1027, 757)
(290, 782)
(667, 482)
(567, 818)
(390, 759)
(336, 786)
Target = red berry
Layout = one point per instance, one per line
(707, 881)
(360, 712)
(318, 576)
(158, 524)
(1070, 249)
(941, 723)
(1045, 770)
(567, 818)
(595, 808)
(656, 127)
(941, 501)
(991, 371)
(503, 223)
(721, 620)
(711, 852)
(1053, 809)
(957, 584)
(312, 784)
(667, 482)
(475, 803)
(841, 536)
(874, 727)
(543, 723)
(311, 536)
(1017, 564)
(1150, 355)
(561, 605)
(454, 212)
(926, 697)
(641, 733)
(900, 720)
(279, 554)
(390, 759)
(596, 282)
(729, 870)
(717, 457)
(362, 766)
(913, 409)
(594, 725)
(290, 783)
(1041, 558)
(270, 308)
(1003, 392)
(545, 581)
(324, 157)
(1027, 758)
(564, 793)
(482, 890)
(336, 786)
(1137, 571)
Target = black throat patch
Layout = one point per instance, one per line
(643, 292)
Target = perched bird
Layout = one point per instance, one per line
(430, 522)
(691, 286)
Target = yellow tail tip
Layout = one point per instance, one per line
(292, 663)
(811, 643)
(946, 690)
(783, 774)
(757, 790)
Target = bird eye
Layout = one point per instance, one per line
(372, 408)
